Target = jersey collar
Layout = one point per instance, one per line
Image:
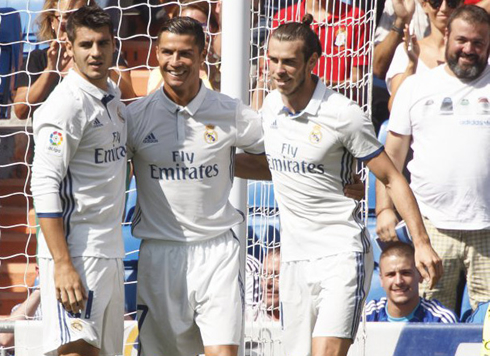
(89, 88)
(313, 105)
(192, 107)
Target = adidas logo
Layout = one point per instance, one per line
(274, 124)
(97, 123)
(150, 139)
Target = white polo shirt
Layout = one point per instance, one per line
(184, 163)
(79, 167)
(311, 158)
(449, 121)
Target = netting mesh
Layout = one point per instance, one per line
(346, 31)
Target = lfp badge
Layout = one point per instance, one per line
(55, 143)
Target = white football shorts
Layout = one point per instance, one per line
(323, 298)
(190, 295)
(101, 323)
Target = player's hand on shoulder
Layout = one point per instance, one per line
(386, 221)
(69, 287)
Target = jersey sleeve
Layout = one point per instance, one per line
(250, 136)
(400, 112)
(356, 132)
(58, 129)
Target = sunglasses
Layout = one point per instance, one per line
(435, 4)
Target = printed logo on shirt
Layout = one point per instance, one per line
(274, 124)
(116, 138)
(483, 105)
(97, 123)
(77, 325)
(55, 143)
(210, 136)
(446, 106)
(120, 116)
(316, 134)
(150, 139)
(341, 37)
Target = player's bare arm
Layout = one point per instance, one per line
(396, 148)
(428, 262)
(69, 287)
(248, 166)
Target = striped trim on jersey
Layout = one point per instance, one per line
(365, 238)
(136, 217)
(65, 336)
(346, 167)
(68, 201)
(438, 311)
(375, 306)
(360, 293)
(232, 163)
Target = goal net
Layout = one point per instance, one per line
(345, 28)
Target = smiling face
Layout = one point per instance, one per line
(288, 67)
(92, 52)
(179, 60)
(467, 48)
(400, 279)
(439, 15)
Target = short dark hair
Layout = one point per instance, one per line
(90, 16)
(399, 249)
(471, 14)
(301, 31)
(184, 26)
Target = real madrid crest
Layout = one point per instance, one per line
(210, 135)
(316, 134)
(341, 37)
(77, 325)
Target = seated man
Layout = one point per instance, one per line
(400, 280)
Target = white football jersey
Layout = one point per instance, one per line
(311, 158)
(79, 167)
(184, 163)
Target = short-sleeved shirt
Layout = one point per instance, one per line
(79, 167)
(449, 123)
(183, 160)
(427, 311)
(311, 158)
(342, 37)
(399, 64)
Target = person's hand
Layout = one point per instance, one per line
(58, 58)
(386, 222)
(69, 288)
(428, 263)
(411, 45)
(404, 10)
(356, 190)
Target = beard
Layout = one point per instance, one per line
(470, 71)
